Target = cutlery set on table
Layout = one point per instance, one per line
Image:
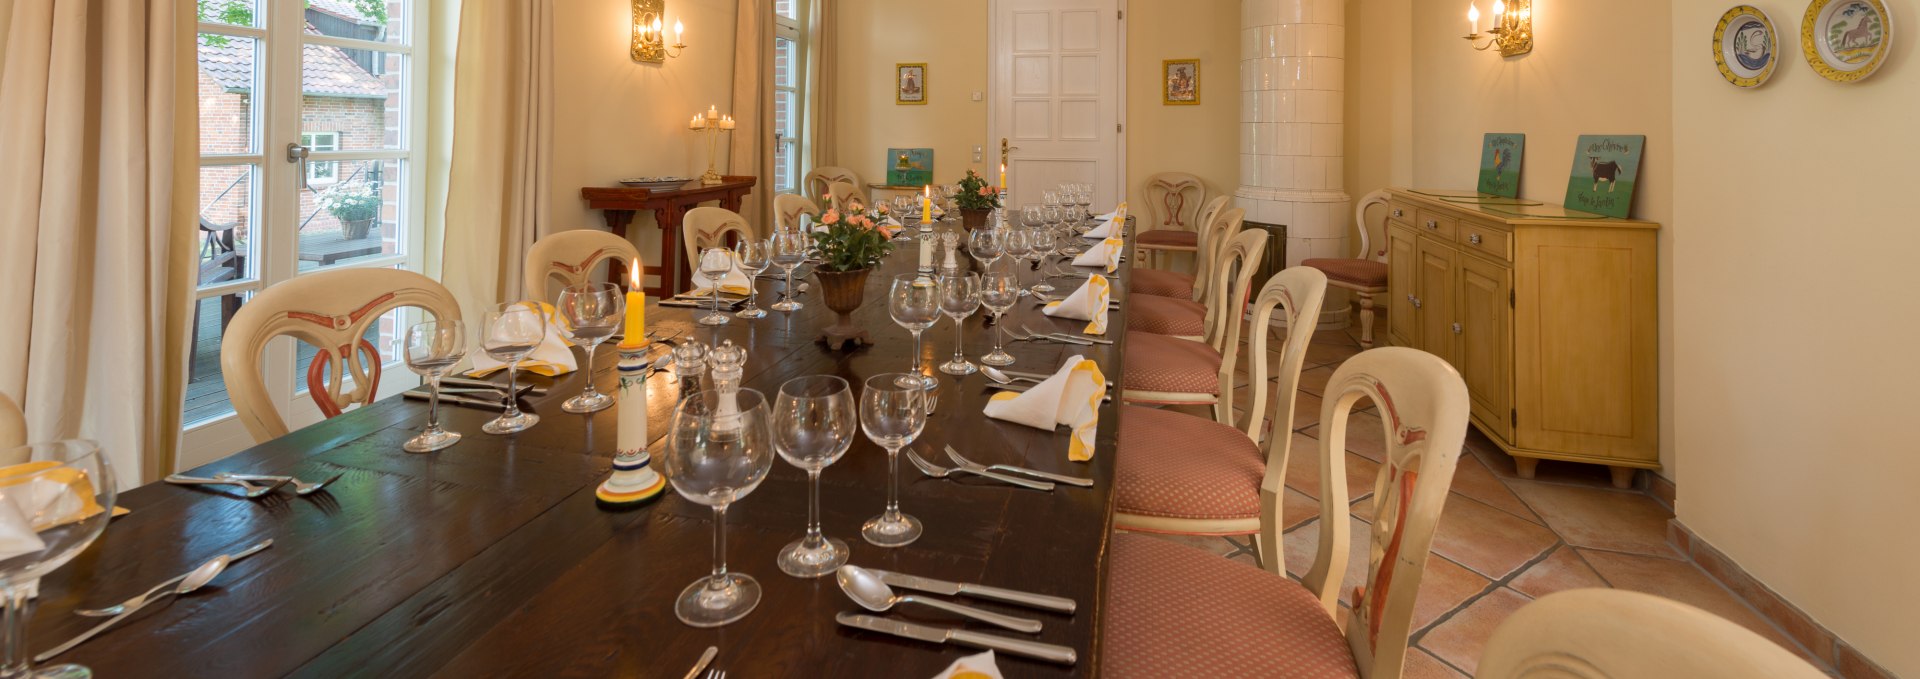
(177, 586)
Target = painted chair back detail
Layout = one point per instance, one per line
(1617, 634)
(1423, 411)
(819, 182)
(709, 227)
(1298, 292)
(1232, 284)
(1174, 198)
(787, 208)
(1367, 241)
(846, 193)
(571, 256)
(1211, 218)
(13, 427)
(330, 310)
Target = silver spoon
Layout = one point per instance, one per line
(866, 589)
(994, 374)
(939, 472)
(194, 581)
(138, 601)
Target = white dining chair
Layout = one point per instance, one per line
(1173, 205)
(787, 208)
(1366, 275)
(1191, 317)
(1189, 286)
(709, 227)
(818, 183)
(571, 256)
(1169, 370)
(1620, 634)
(846, 194)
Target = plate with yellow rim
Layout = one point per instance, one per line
(1846, 40)
(1745, 46)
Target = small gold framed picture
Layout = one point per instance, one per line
(1181, 82)
(910, 83)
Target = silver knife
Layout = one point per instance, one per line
(1011, 469)
(920, 584)
(941, 635)
(701, 664)
(491, 403)
(1094, 340)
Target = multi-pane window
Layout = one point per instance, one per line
(321, 171)
(789, 104)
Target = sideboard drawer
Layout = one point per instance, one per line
(1400, 212)
(1435, 224)
(1486, 240)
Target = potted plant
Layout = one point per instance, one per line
(850, 244)
(357, 206)
(977, 198)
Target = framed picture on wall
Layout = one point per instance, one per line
(1180, 84)
(1605, 169)
(910, 82)
(909, 167)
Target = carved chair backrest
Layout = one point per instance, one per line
(819, 182)
(1617, 634)
(787, 208)
(1173, 200)
(1210, 240)
(1298, 292)
(847, 194)
(709, 227)
(1371, 247)
(571, 256)
(1232, 278)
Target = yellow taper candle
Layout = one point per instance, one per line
(1003, 176)
(926, 205)
(636, 330)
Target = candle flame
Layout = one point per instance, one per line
(1499, 7)
(634, 273)
(1473, 14)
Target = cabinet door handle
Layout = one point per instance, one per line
(1431, 224)
(1456, 328)
(1416, 301)
(1396, 212)
(1473, 238)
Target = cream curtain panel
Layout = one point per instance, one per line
(498, 196)
(97, 222)
(751, 149)
(823, 62)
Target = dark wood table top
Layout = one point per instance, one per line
(490, 558)
(635, 198)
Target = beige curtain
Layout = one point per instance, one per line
(498, 200)
(752, 144)
(823, 64)
(98, 175)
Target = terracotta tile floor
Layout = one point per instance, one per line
(1503, 541)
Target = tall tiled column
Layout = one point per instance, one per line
(1292, 75)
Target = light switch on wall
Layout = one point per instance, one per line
(977, 95)
(978, 152)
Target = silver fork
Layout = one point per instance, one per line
(1035, 473)
(716, 674)
(939, 472)
(1063, 337)
(299, 487)
(1017, 336)
(251, 491)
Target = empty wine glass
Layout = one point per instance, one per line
(513, 330)
(719, 448)
(1063, 229)
(431, 349)
(1084, 198)
(814, 421)
(592, 311)
(715, 264)
(984, 245)
(789, 252)
(959, 298)
(892, 417)
(755, 256)
(904, 208)
(999, 290)
(66, 504)
(1017, 243)
(914, 303)
(1044, 242)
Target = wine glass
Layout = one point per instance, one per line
(1084, 198)
(984, 245)
(1017, 243)
(814, 421)
(959, 297)
(592, 311)
(892, 416)
(914, 303)
(715, 264)
(1044, 242)
(999, 291)
(789, 252)
(66, 504)
(754, 255)
(903, 208)
(1066, 244)
(514, 330)
(719, 448)
(431, 349)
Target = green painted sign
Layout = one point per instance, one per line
(909, 167)
(1605, 169)
(1500, 157)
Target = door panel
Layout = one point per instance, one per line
(1435, 284)
(1055, 88)
(1403, 327)
(1486, 340)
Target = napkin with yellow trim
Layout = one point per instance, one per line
(1105, 253)
(551, 358)
(34, 499)
(1070, 397)
(1089, 303)
(1118, 211)
(735, 282)
(976, 666)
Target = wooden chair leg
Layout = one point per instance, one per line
(1366, 320)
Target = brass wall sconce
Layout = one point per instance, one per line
(649, 39)
(1512, 28)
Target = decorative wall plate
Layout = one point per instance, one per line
(1745, 46)
(1845, 40)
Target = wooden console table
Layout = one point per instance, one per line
(669, 206)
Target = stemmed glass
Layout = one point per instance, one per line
(959, 297)
(755, 256)
(719, 448)
(514, 330)
(892, 415)
(1017, 243)
(789, 252)
(903, 208)
(814, 419)
(1057, 220)
(1084, 198)
(984, 245)
(914, 303)
(431, 349)
(715, 264)
(1044, 242)
(593, 311)
(82, 488)
(999, 290)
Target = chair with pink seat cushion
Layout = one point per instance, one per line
(1178, 315)
(1365, 275)
(1174, 212)
(1168, 370)
(1169, 283)
(1174, 608)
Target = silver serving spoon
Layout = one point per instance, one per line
(871, 593)
(194, 581)
(141, 600)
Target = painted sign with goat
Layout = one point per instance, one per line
(1500, 157)
(1605, 169)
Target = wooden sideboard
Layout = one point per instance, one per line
(1550, 316)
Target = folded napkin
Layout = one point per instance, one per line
(1106, 229)
(1104, 253)
(735, 282)
(976, 666)
(1070, 397)
(551, 358)
(1118, 211)
(37, 496)
(1089, 303)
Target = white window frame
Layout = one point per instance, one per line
(325, 171)
(794, 30)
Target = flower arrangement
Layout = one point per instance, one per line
(976, 193)
(351, 202)
(850, 241)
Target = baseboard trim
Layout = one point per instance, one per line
(1822, 642)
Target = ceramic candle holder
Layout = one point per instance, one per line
(634, 482)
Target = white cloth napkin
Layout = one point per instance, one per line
(735, 282)
(1106, 229)
(972, 667)
(1104, 253)
(551, 358)
(1089, 303)
(1070, 397)
(1118, 211)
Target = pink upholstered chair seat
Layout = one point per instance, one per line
(1169, 238)
(1185, 467)
(1161, 283)
(1178, 611)
(1167, 316)
(1365, 273)
(1170, 364)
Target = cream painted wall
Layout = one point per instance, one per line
(1795, 370)
(951, 39)
(1201, 139)
(1379, 115)
(617, 118)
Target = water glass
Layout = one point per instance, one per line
(999, 291)
(892, 417)
(592, 312)
(1044, 243)
(814, 422)
(513, 331)
(959, 297)
(1017, 243)
(715, 264)
(914, 303)
(719, 448)
(754, 255)
(789, 252)
(985, 246)
(84, 489)
(430, 350)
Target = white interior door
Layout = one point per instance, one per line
(1056, 81)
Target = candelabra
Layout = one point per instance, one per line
(713, 125)
(1512, 27)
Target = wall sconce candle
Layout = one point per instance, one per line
(649, 41)
(1512, 28)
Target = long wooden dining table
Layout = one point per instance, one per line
(491, 558)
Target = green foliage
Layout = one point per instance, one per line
(240, 13)
(351, 202)
(976, 193)
(850, 241)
